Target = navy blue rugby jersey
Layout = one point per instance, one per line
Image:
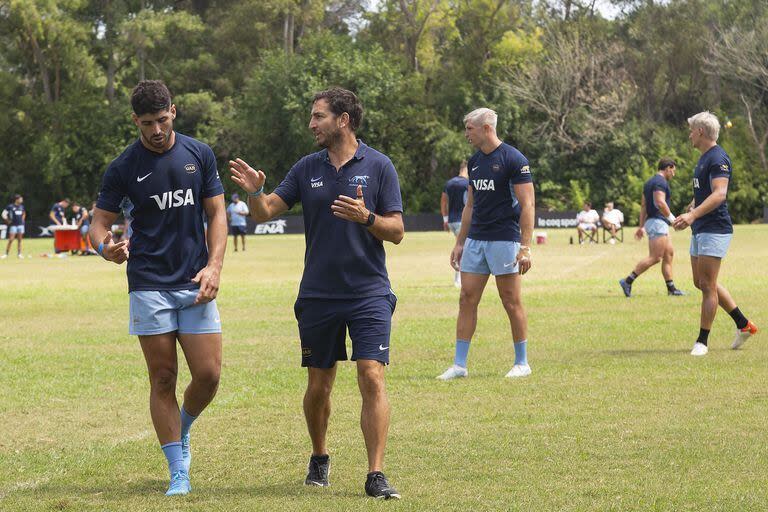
(657, 182)
(456, 190)
(166, 190)
(342, 260)
(496, 210)
(715, 163)
(58, 212)
(15, 214)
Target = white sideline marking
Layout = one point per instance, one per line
(22, 486)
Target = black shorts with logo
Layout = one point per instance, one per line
(323, 325)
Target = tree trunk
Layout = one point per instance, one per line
(288, 33)
(40, 59)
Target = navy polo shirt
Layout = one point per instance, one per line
(456, 190)
(342, 259)
(657, 182)
(715, 163)
(496, 210)
(166, 190)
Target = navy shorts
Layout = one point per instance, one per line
(323, 325)
(237, 230)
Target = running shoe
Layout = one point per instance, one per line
(742, 335)
(376, 486)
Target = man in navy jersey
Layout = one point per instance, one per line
(351, 203)
(712, 230)
(655, 218)
(495, 237)
(173, 275)
(452, 202)
(15, 216)
(58, 213)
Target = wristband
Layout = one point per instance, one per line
(671, 218)
(257, 193)
(100, 249)
(445, 218)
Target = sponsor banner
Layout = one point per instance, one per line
(565, 219)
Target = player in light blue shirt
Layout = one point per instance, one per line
(237, 213)
(495, 237)
(173, 270)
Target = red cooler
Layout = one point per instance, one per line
(66, 238)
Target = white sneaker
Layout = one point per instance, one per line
(742, 335)
(612, 241)
(3, 256)
(20, 256)
(454, 372)
(519, 370)
(699, 349)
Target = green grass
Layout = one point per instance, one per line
(616, 416)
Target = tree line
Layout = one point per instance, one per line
(593, 102)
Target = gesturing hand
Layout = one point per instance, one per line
(115, 252)
(351, 209)
(208, 279)
(244, 175)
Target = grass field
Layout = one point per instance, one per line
(616, 416)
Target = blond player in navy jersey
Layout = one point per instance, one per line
(495, 237)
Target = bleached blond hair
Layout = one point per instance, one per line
(708, 123)
(481, 116)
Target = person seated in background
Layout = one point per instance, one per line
(612, 220)
(587, 220)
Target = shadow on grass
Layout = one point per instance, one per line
(152, 487)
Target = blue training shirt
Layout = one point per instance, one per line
(15, 214)
(342, 259)
(715, 163)
(496, 210)
(456, 190)
(166, 190)
(657, 182)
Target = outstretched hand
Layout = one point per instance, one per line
(115, 252)
(246, 176)
(351, 209)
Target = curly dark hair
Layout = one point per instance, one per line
(150, 96)
(340, 101)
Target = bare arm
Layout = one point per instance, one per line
(715, 199)
(466, 221)
(659, 199)
(262, 207)
(387, 227)
(53, 218)
(444, 209)
(101, 237)
(526, 195)
(643, 215)
(209, 276)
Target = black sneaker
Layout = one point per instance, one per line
(318, 470)
(376, 485)
(676, 292)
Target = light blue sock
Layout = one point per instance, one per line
(521, 352)
(173, 454)
(462, 350)
(186, 421)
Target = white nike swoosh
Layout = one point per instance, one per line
(382, 348)
(475, 167)
(315, 179)
(139, 180)
(508, 264)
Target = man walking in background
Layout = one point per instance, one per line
(655, 218)
(351, 203)
(452, 202)
(173, 271)
(495, 237)
(712, 230)
(237, 212)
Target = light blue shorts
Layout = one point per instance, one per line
(158, 312)
(12, 230)
(84, 229)
(490, 257)
(655, 228)
(710, 244)
(454, 227)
